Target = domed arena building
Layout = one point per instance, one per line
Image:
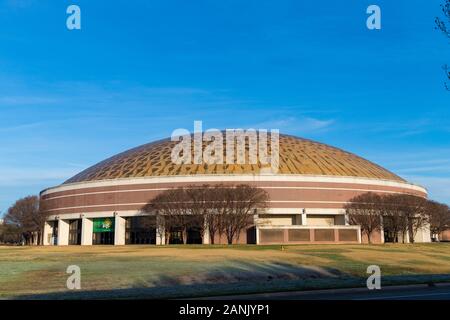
(103, 204)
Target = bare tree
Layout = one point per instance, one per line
(176, 209)
(404, 214)
(445, 28)
(441, 24)
(10, 234)
(200, 206)
(25, 215)
(182, 216)
(393, 218)
(364, 210)
(222, 209)
(415, 213)
(165, 208)
(220, 204)
(439, 217)
(242, 201)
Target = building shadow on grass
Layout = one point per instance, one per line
(237, 278)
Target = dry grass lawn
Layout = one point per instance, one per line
(178, 271)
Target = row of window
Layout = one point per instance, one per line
(138, 230)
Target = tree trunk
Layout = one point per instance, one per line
(167, 238)
(26, 239)
(411, 234)
(369, 238)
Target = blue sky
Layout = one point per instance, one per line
(140, 69)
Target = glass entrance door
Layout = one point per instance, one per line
(75, 232)
(103, 231)
(103, 238)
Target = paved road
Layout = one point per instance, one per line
(416, 292)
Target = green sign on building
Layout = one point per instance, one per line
(104, 225)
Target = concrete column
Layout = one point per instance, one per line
(47, 234)
(63, 232)
(336, 235)
(160, 231)
(312, 236)
(304, 219)
(359, 235)
(423, 234)
(426, 233)
(206, 239)
(119, 230)
(381, 229)
(87, 227)
(256, 223)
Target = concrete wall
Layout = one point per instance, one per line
(376, 237)
(322, 197)
(320, 220)
(293, 191)
(278, 220)
(264, 220)
(312, 234)
(445, 236)
(423, 234)
(223, 239)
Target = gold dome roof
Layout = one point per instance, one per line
(297, 156)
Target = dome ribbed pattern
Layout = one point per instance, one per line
(297, 156)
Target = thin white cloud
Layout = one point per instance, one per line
(425, 159)
(20, 4)
(13, 176)
(174, 90)
(438, 187)
(298, 125)
(20, 127)
(26, 100)
(432, 169)
(428, 167)
(399, 128)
